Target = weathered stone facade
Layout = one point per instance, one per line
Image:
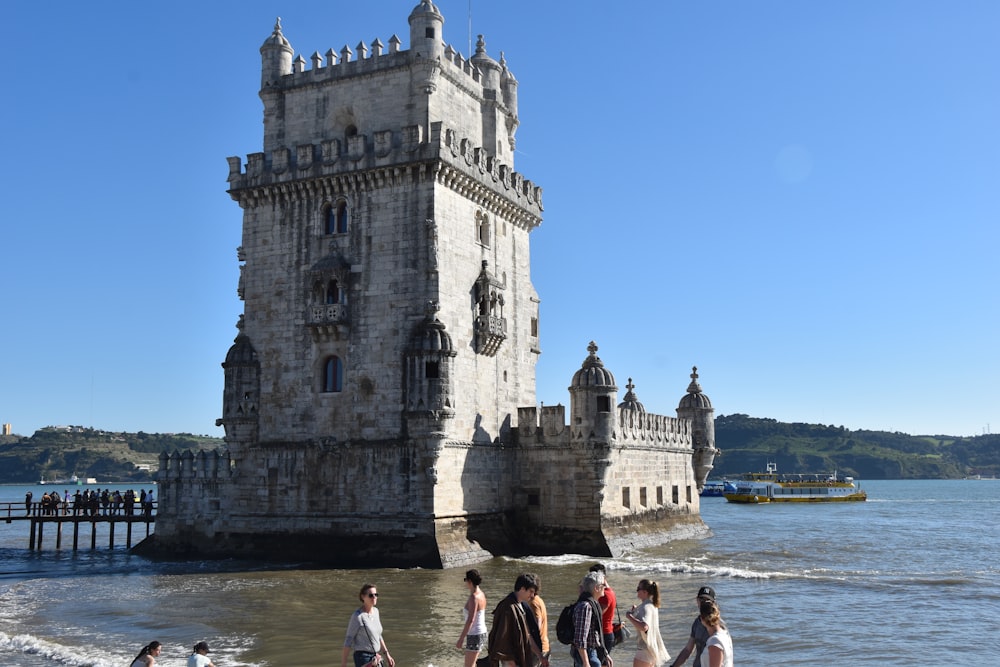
(372, 401)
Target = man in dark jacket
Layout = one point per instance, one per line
(511, 643)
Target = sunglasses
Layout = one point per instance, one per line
(373, 595)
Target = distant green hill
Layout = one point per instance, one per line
(61, 452)
(749, 443)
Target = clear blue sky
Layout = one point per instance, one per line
(800, 198)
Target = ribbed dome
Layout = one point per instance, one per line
(694, 398)
(425, 7)
(432, 337)
(276, 39)
(241, 352)
(481, 58)
(630, 402)
(593, 373)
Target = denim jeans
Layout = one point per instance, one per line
(591, 657)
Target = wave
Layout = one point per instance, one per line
(51, 653)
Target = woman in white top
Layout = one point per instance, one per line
(645, 616)
(474, 631)
(147, 655)
(719, 646)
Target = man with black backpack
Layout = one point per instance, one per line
(588, 640)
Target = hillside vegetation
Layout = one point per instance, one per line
(749, 443)
(60, 452)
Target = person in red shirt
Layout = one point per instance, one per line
(608, 604)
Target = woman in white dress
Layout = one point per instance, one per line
(645, 616)
(473, 637)
(719, 646)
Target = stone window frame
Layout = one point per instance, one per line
(331, 375)
(483, 229)
(336, 217)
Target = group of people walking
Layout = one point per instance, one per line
(92, 503)
(519, 636)
(151, 651)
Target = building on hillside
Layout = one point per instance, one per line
(375, 395)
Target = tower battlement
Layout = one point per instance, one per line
(391, 150)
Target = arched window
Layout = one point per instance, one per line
(482, 228)
(333, 375)
(341, 217)
(335, 218)
(333, 293)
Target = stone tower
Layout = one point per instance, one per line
(379, 403)
(696, 406)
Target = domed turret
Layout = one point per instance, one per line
(593, 395)
(276, 56)
(489, 68)
(696, 407)
(592, 372)
(630, 402)
(694, 398)
(428, 373)
(426, 30)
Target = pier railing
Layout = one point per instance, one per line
(41, 516)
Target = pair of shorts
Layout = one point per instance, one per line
(475, 642)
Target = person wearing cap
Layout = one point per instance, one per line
(699, 633)
(199, 658)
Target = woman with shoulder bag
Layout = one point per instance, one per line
(645, 616)
(364, 633)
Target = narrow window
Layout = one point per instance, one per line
(341, 217)
(534, 327)
(688, 493)
(659, 495)
(329, 220)
(429, 33)
(333, 375)
(604, 404)
(677, 498)
(642, 496)
(625, 497)
(432, 370)
(333, 292)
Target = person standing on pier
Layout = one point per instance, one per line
(27, 503)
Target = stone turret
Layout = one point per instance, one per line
(696, 406)
(592, 400)
(426, 29)
(276, 57)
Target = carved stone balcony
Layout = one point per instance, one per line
(490, 333)
(328, 320)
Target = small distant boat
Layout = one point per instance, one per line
(717, 488)
(770, 487)
(60, 482)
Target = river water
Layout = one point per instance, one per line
(909, 577)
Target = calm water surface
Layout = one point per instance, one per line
(876, 583)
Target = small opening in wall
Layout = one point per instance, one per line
(677, 498)
(642, 496)
(534, 499)
(626, 500)
(505, 376)
(604, 404)
(429, 33)
(432, 370)
(659, 495)
(688, 494)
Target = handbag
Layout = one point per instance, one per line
(620, 630)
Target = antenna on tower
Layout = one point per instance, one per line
(470, 29)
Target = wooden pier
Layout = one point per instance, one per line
(10, 512)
